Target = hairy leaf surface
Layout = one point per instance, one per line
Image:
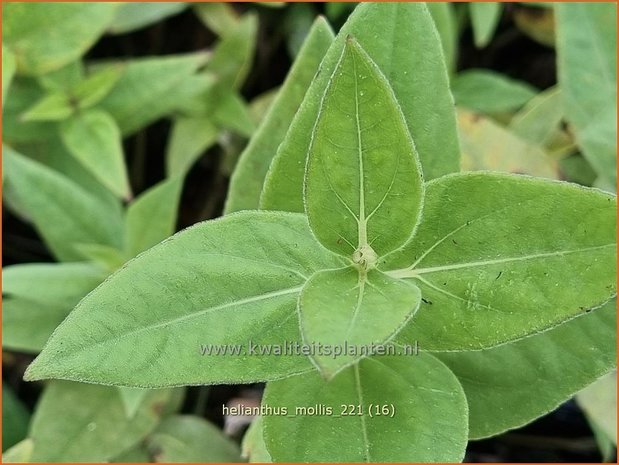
(535, 374)
(499, 257)
(363, 183)
(402, 40)
(146, 325)
(344, 306)
(429, 423)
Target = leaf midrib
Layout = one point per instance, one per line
(412, 273)
(248, 300)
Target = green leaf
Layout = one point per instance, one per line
(233, 54)
(248, 176)
(94, 139)
(599, 400)
(8, 71)
(150, 88)
(536, 374)
(77, 422)
(106, 257)
(15, 418)
(232, 113)
(402, 40)
(19, 453)
(489, 92)
(587, 62)
(64, 213)
(487, 145)
(218, 17)
(499, 257)
(63, 78)
(47, 36)
(429, 421)
(485, 18)
(445, 22)
(57, 283)
(190, 439)
(540, 118)
(24, 92)
(348, 306)
(363, 182)
(190, 138)
(132, 16)
(205, 286)
(253, 446)
(151, 218)
(37, 297)
(132, 398)
(60, 104)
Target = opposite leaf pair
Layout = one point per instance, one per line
(495, 257)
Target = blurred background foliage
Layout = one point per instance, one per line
(123, 123)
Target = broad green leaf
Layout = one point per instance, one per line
(190, 439)
(60, 104)
(485, 18)
(132, 16)
(207, 285)
(47, 36)
(151, 218)
(94, 139)
(8, 70)
(15, 418)
(349, 306)
(77, 422)
(63, 212)
(253, 446)
(233, 54)
(253, 165)
(190, 138)
(599, 400)
(402, 40)
(540, 118)
(219, 17)
(587, 62)
(487, 145)
(500, 257)
(445, 21)
(37, 297)
(19, 453)
(489, 92)
(536, 374)
(428, 423)
(363, 181)
(150, 88)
